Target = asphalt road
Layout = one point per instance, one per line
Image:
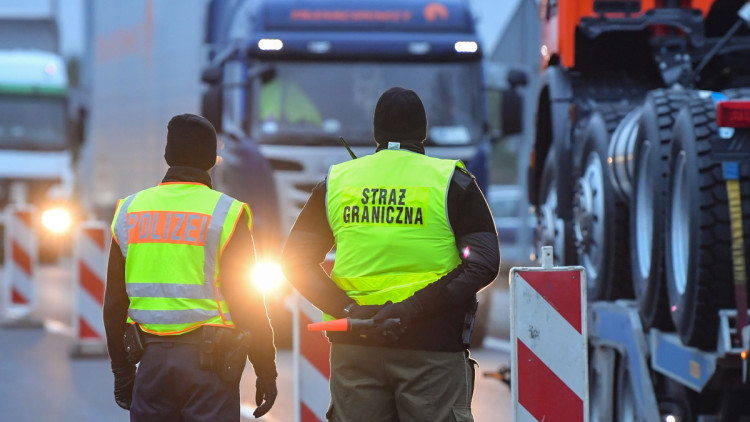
(40, 381)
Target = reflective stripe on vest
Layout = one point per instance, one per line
(170, 307)
(388, 215)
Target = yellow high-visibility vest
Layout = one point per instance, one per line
(171, 236)
(389, 219)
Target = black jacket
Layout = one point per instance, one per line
(444, 302)
(247, 305)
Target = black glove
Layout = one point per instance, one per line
(405, 311)
(124, 381)
(356, 311)
(265, 395)
(387, 329)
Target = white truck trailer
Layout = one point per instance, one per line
(141, 74)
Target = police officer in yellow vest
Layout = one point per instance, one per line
(178, 298)
(415, 241)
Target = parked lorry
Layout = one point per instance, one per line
(142, 66)
(39, 126)
(639, 174)
(297, 75)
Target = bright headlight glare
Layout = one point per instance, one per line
(267, 276)
(466, 47)
(57, 220)
(271, 44)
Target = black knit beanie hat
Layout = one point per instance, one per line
(191, 142)
(399, 117)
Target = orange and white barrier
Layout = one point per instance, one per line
(21, 263)
(90, 274)
(549, 343)
(312, 366)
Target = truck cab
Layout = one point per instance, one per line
(36, 151)
(301, 74)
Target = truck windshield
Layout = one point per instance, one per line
(309, 103)
(32, 122)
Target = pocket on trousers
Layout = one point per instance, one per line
(463, 414)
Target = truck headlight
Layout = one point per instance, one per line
(267, 276)
(57, 220)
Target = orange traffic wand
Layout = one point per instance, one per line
(349, 324)
(343, 324)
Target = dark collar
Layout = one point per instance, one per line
(418, 147)
(187, 174)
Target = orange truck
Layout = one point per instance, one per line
(639, 173)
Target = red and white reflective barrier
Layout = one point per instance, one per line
(312, 366)
(90, 272)
(549, 343)
(21, 262)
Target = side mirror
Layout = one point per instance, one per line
(77, 129)
(511, 106)
(264, 73)
(517, 78)
(211, 75)
(212, 106)
(511, 112)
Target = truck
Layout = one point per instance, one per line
(40, 130)
(227, 60)
(639, 173)
(302, 74)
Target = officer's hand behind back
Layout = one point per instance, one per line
(357, 311)
(393, 320)
(265, 395)
(405, 311)
(124, 382)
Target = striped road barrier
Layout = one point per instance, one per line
(90, 272)
(549, 376)
(312, 366)
(21, 266)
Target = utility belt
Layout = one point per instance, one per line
(223, 350)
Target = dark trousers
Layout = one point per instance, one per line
(171, 387)
(380, 384)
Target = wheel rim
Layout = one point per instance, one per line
(644, 212)
(550, 230)
(680, 216)
(589, 217)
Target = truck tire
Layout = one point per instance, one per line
(699, 273)
(680, 401)
(551, 229)
(648, 204)
(600, 218)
